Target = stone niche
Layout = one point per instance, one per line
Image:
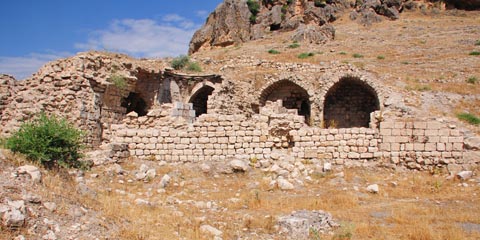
(200, 100)
(349, 103)
(292, 95)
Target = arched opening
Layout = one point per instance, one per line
(349, 103)
(292, 95)
(200, 99)
(275, 27)
(135, 103)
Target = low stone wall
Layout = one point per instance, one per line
(214, 137)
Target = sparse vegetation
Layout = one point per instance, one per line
(273, 51)
(342, 53)
(184, 62)
(380, 57)
(474, 53)
(254, 8)
(472, 80)
(306, 55)
(477, 43)
(357, 55)
(118, 81)
(470, 118)
(294, 45)
(289, 2)
(50, 141)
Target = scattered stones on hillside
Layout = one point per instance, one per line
(32, 171)
(239, 165)
(465, 175)
(299, 224)
(165, 181)
(210, 230)
(374, 188)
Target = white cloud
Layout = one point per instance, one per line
(25, 66)
(202, 13)
(144, 37)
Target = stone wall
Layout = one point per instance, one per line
(215, 137)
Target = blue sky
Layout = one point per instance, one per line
(34, 32)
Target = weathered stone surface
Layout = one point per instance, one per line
(299, 224)
(465, 175)
(373, 188)
(33, 171)
(239, 165)
(284, 184)
(209, 230)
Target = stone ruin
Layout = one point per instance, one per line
(330, 113)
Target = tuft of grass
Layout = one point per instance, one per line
(342, 53)
(184, 62)
(118, 81)
(357, 55)
(474, 53)
(380, 57)
(193, 67)
(294, 45)
(404, 62)
(477, 43)
(273, 51)
(472, 80)
(470, 118)
(305, 55)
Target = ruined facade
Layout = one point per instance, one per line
(332, 113)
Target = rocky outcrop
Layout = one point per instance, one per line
(7, 89)
(235, 22)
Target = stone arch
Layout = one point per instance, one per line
(199, 98)
(293, 96)
(349, 103)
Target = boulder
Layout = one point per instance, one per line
(284, 184)
(464, 175)
(13, 219)
(472, 143)
(209, 230)
(298, 225)
(165, 181)
(238, 165)
(373, 188)
(33, 171)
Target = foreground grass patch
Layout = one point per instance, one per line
(470, 118)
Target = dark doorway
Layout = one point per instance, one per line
(200, 100)
(135, 103)
(349, 103)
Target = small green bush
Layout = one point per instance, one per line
(306, 55)
(380, 57)
(273, 51)
(254, 8)
(472, 80)
(342, 53)
(477, 43)
(193, 67)
(179, 62)
(289, 2)
(294, 45)
(474, 53)
(357, 55)
(470, 118)
(50, 141)
(118, 81)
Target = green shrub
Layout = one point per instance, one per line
(472, 80)
(273, 51)
(118, 81)
(474, 53)
(468, 117)
(380, 57)
(254, 8)
(306, 55)
(289, 2)
(179, 62)
(477, 43)
(284, 9)
(50, 141)
(193, 67)
(357, 55)
(342, 53)
(294, 45)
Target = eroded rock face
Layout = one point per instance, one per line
(233, 22)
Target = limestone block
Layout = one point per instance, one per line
(430, 132)
(396, 132)
(395, 147)
(402, 139)
(434, 125)
(430, 147)
(458, 146)
(418, 132)
(409, 147)
(366, 155)
(420, 125)
(419, 147)
(353, 155)
(387, 125)
(455, 139)
(441, 147)
(399, 125)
